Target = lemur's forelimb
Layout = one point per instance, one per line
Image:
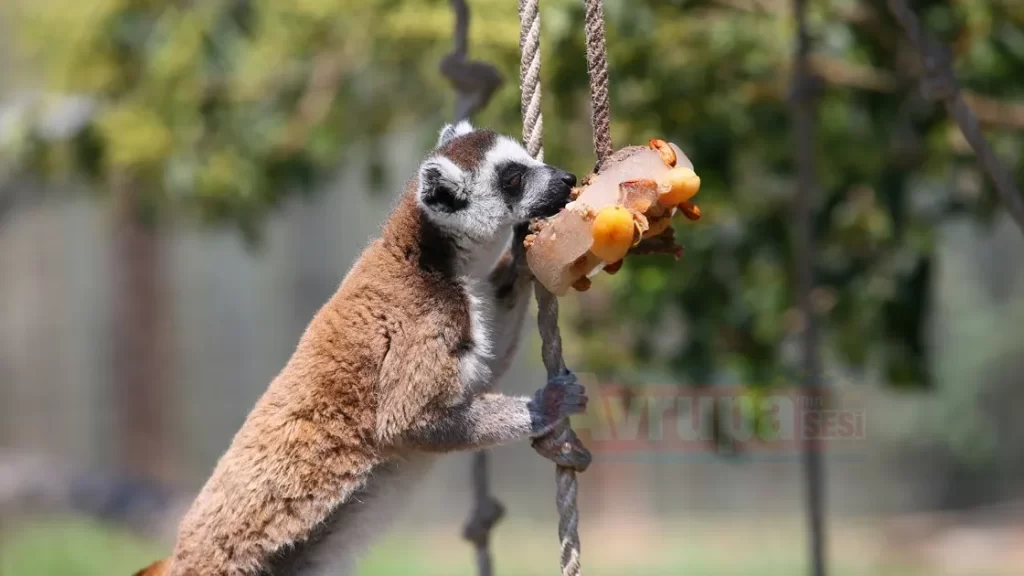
(488, 420)
(511, 281)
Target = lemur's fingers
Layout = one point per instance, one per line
(562, 397)
(569, 388)
(574, 390)
(569, 395)
(564, 379)
(575, 401)
(521, 229)
(519, 233)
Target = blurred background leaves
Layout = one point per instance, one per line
(216, 112)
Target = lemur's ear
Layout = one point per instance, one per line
(441, 186)
(453, 130)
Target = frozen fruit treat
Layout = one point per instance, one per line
(625, 208)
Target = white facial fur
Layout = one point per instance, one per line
(471, 204)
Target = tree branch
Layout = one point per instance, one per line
(315, 103)
(938, 83)
(837, 72)
(988, 110)
(994, 112)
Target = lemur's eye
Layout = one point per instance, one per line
(512, 179)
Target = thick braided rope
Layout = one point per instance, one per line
(597, 69)
(563, 436)
(547, 304)
(529, 77)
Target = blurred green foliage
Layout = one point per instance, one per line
(222, 109)
(72, 547)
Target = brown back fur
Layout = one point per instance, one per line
(335, 412)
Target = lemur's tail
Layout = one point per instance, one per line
(158, 568)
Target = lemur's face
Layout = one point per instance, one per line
(478, 183)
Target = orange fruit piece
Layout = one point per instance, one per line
(677, 186)
(612, 231)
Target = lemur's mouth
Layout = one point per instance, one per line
(557, 196)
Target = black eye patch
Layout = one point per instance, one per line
(510, 179)
(440, 194)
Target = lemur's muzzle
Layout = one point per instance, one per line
(566, 178)
(557, 195)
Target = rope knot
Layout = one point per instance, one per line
(485, 516)
(564, 449)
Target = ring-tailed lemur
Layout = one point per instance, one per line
(393, 370)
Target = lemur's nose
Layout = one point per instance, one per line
(567, 178)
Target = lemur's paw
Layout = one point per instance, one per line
(562, 397)
(519, 234)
